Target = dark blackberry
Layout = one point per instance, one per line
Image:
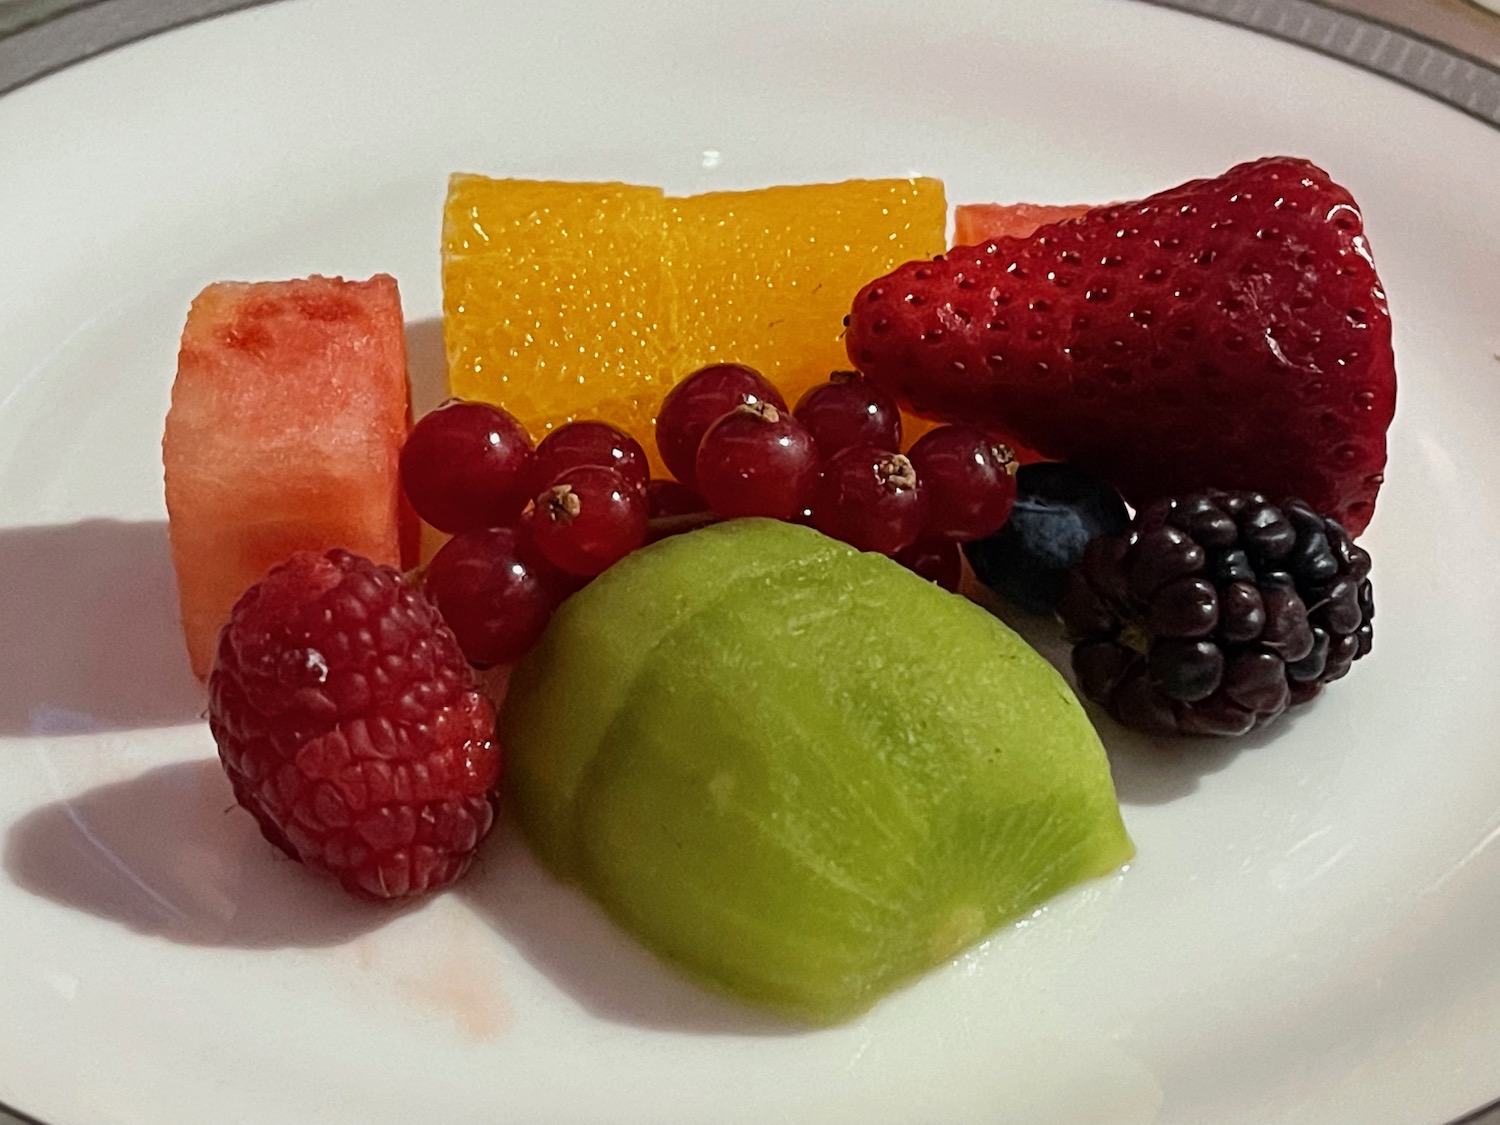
(1213, 613)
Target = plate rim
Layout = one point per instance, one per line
(86, 29)
(1462, 80)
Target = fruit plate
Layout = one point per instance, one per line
(1306, 935)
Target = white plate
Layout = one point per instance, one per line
(1308, 933)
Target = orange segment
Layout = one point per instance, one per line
(567, 300)
(765, 277)
(554, 304)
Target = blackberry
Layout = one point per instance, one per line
(1212, 613)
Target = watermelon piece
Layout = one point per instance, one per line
(288, 413)
(974, 223)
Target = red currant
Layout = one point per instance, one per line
(673, 509)
(869, 497)
(849, 410)
(757, 461)
(665, 498)
(969, 480)
(937, 560)
(464, 466)
(694, 404)
(588, 443)
(587, 519)
(496, 593)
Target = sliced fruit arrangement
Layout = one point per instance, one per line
(565, 300)
(779, 782)
(787, 764)
(1229, 333)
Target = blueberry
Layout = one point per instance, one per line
(1058, 510)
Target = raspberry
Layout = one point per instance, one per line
(1214, 612)
(349, 725)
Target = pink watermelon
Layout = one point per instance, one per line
(288, 413)
(979, 222)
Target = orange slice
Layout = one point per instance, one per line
(554, 303)
(765, 277)
(568, 300)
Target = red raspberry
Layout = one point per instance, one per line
(349, 725)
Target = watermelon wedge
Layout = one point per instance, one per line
(974, 223)
(288, 413)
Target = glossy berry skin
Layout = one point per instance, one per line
(1229, 331)
(969, 479)
(496, 593)
(673, 508)
(849, 410)
(1057, 510)
(465, 465)
(757, 461)
(1215, 612)
(871, 499)
(937, 560)
(668, 498)
(700, 400)
(587, 519)
(587, 443)
(350, 727)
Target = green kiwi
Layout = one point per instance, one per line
(799, 772)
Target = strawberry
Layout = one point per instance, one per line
(1227, 333)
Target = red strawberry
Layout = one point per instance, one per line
(348, 723)
(1228, 333)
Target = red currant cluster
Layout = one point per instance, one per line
(529, 524)
(834, 462)
(532, 524)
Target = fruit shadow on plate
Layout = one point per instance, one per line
(426, 364)
(90, 613)
(93, 640)
(1155, 771)
(1147, 771)
(170, 855)
(568, 938)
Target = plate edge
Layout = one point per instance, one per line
(1461, 81)
(83, 31)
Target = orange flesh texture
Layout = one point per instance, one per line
(568, 300)
(288, 413)
(765, 277)
(554, 300)
(979, 222)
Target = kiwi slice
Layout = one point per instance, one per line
(799, 772)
